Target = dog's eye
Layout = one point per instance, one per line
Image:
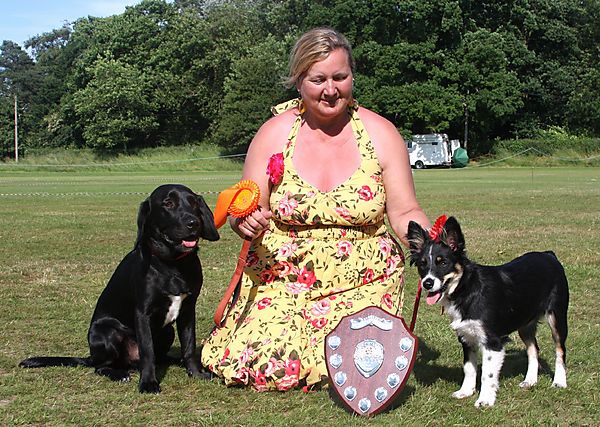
(192, 201)
(168, 203)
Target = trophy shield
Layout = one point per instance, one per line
(369, 357)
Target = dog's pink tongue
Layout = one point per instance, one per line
(189, 243)
(433, 298)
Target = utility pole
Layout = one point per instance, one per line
(16, 131)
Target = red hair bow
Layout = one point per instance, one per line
(436, 231)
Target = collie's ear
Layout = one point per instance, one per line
(417, 237)
(209, 230)
(143, 213)
(453, 235)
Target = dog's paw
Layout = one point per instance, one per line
(149, 387)
(119, 375)
(527, 384)
(485, 400)
(559, 384)
(194, 369)
(484, 403)
(195, 373)
(206, 375)
(202, 374)
(462, 394)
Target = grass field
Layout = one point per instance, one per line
(62, 234)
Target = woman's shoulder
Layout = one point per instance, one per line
(377, 126)
(281, 123)
(273, 133)
(372, 118)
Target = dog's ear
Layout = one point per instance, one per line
(209, 230)
(453, 235)
(417, 237)
(143, 213)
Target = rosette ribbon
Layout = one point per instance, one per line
(238, 201)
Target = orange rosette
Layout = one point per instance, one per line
(238, 201)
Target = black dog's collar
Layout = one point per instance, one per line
(163, 258)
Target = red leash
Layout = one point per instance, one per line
(416, 306)
(238, 201)
(233, 284)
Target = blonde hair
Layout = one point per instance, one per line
(314, 46)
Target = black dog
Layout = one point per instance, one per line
(487, 303)
(156, 284)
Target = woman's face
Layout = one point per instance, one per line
(326, 88)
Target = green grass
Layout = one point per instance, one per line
(188, 158)
(62, 235)
(535, 157)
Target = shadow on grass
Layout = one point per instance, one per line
(171, 359)
(398, 401)
(515, 365)
(427, 372)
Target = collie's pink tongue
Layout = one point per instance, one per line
(189, 243)
(433, 298)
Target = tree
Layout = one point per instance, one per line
(491, 92)
(254, 84)
(114, 108)
(204, 70)
(6, 126)
(584, 105)
(18, 78)
(53, 56)
(16, 68)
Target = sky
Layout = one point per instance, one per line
(22, 19)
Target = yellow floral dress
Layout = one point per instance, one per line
(326, 255)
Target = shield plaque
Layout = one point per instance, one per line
(369, 356)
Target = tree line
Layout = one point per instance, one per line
(190, 71)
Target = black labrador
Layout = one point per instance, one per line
(154, 286)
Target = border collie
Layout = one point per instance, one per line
(487, 303)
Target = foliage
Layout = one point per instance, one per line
(193, 158)
(114, 106)
(18, 78)
(584, 104)
(255, 84)
(551, 142)
(184, 71)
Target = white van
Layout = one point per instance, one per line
(432, 149)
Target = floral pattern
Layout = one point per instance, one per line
(327, 255)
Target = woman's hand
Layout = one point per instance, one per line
(253, 225)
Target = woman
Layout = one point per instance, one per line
(328, 171)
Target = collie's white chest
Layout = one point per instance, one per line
(174, 308)
(470, 330)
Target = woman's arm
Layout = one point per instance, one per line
(269, 139)
(401, 200)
